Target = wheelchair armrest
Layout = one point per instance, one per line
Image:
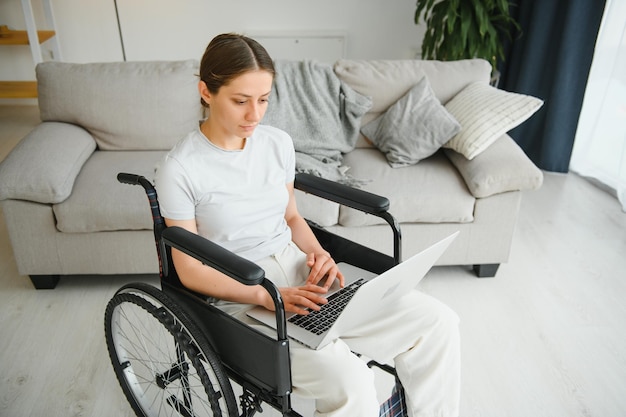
(357, 199)
(342, 194)
(227, 262)
(213, 255)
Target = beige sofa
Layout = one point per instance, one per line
(67, 215)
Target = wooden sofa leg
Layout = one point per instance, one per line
(486, 270)
(45, 282)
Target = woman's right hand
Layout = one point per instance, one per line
(300, 300)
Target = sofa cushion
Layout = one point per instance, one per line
(386, 81)
(321, 211)
(485, 114)
(500, 168)
(44, 164)
(413, 128)
(124, 105)
(100, 203)
(429, 192)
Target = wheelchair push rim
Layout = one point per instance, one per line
(162, 361)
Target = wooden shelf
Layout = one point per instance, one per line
(32, 38)
(20, 37)
(18, 89)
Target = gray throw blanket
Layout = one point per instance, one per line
(320, 112)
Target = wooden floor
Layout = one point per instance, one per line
(547, 337)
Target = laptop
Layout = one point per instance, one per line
(363, 294)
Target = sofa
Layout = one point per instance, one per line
(66, 213)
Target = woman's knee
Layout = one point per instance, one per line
(336, 378)
(447, 316)
(351, 391)
(353, 377)
(434, 311)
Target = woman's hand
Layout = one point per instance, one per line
(323, 265)
(300, 300)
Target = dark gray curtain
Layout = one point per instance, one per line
(551, 60)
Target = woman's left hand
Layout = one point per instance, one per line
(322, 265)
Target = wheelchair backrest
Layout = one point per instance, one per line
(167, 272)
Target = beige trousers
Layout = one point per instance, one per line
(419, 336)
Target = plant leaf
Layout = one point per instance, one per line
(451, 18)
(420, 6)
(466, 22)
(458, 29)
(503, 6)
(482, 19)
(425, 6)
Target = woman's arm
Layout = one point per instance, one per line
(318, 259)
(203, 279)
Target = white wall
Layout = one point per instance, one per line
(166, 29)
(86, 29)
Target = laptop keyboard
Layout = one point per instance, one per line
(319, 321)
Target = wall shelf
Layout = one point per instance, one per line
(20, 37)
(18, 89)
(33, 38)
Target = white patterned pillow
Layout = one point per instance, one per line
(485, 114)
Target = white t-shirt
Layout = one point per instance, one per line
(238, 198)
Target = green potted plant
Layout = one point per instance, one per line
(461, 29)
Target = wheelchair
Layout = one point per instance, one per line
(176, 354)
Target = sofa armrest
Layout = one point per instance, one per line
(44, 164)
(502, 167)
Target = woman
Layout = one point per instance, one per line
(231, 181)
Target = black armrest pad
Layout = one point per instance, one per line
(342, 194)
(213, 255)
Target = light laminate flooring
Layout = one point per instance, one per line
(546, 337)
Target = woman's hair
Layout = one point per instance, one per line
(229, 55)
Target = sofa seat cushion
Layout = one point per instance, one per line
(321, 211)
(431, 191)
(100, 203)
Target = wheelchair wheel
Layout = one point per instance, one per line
(162, 361)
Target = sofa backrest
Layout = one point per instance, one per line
(124, 105)
(152, 105)
(386, 81)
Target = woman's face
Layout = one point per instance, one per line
(238, 106)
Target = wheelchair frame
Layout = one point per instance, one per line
(204, 336)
